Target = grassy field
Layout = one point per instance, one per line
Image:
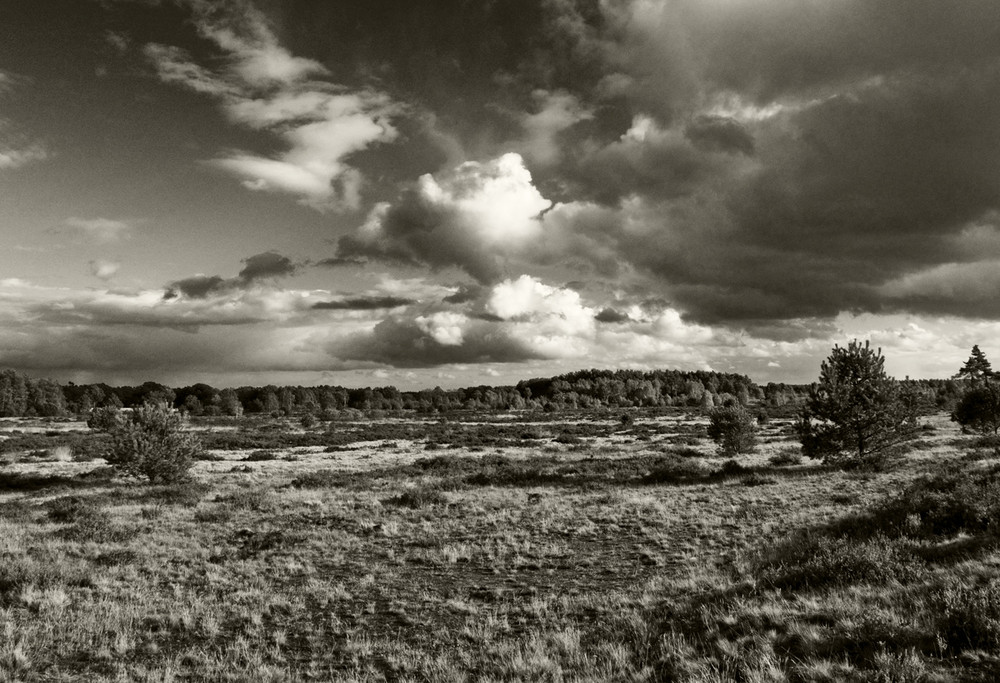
(583, 549)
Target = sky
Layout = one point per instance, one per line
(449, 193)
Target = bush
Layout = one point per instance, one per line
(814, 561)
(968, 617)
(733, 429)
(418, 497)
(150, 442)
(979, 409)
(104, 419)
(786, 457)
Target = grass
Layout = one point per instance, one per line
(575, 552)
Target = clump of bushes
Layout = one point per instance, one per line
(150, 443)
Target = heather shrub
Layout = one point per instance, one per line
(150, 442)
(812, 561)
(968, 617)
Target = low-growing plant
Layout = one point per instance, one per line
(418, 497)
(150, 442)
(673, 469)
(810, 561)
(967, 617)
(786, 457)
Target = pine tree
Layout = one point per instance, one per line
(977, 368)
(856, 412)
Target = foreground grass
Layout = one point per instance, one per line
(619, 554)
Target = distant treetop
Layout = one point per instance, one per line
(977, 368)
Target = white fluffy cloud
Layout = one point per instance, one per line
(264, 87)
(472, 217)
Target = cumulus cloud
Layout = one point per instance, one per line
(264, 87)
(472, 217)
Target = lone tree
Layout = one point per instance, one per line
(733, 429)
(977, 368)
(150, 442)
(979, 407)
(856, 413)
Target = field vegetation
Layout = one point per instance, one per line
(642, 544)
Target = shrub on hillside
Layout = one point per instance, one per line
(150, 442)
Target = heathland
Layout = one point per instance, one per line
(561, 546)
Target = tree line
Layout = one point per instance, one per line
(586, 389)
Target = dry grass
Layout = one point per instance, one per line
(552, 560)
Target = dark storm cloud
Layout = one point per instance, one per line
(197, 287)
(262, 266)
(363, 303)
(268, 264)
(719, 134)
(406, 343)
(610, 315)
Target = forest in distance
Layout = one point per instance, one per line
(24, 396)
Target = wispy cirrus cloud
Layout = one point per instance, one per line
(264, 87)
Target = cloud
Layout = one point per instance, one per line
(102, 230)
(264, 87)
(105, 270)
(555, 113)
(13, 158)
(363, 303)
(266, 265)
(472, 217)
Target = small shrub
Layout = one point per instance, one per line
(418, 497)
(95, 524)
(150, 443)
(104, 419)
(256, 499)
(308, 421)
(673, 469)
(261, 455)
(66, 508)
(733, 429)
(968, 617)
(786, 458)
(188, 494)
(813, 561)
